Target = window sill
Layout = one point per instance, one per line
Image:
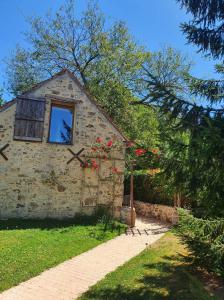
(62, 144)
(27, 139)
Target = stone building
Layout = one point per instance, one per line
(41, 132)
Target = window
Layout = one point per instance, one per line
(29, 119)
(61, 123)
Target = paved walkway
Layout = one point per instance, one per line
(70, 279)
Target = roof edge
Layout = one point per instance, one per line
(7, 104)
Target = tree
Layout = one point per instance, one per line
(153, 129)
(193, 107)
(104, 58)
(206, 28)
(1, 97)
(22, 71)
(85, 46)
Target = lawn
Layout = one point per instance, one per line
(163, 271)
(29, 247)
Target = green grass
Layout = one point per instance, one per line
(29, 247)
(163, 271)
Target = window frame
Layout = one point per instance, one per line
(61, 104)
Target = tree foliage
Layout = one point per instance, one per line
(85, 45)
(205, 239)
(104, 58)
(193, 140)
(206, 28)
(22, 71)
(1, 97)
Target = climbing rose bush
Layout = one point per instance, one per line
(90, 163)
(140, 152)
(102, 148)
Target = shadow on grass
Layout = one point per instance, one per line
(49, 224)
(12, 224)
(170, 279)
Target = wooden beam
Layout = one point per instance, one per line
(31, 99)
(27, 138)
(63, 99)
(1, 151)
(76, 155)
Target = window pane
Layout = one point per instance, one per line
(61, 125)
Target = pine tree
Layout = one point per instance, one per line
(206, 28)
(195, 107)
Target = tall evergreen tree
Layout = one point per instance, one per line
(195, 107)
(206, 28)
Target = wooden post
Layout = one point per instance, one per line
(132, 196)
(177, 200)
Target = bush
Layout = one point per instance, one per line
(205, 238)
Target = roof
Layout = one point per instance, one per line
(7, 104)
(82, 88)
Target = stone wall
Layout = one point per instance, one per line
(37, 182)
(162, 212)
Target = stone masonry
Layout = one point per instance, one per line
(163, 213)
(37, 182)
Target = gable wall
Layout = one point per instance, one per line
(37, 182)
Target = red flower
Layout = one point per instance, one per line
(140, 152)
(109, 144)
(115, 170)
(94, 148)
(89, 164)
(99, 140)
(84, 165)
(94, 165)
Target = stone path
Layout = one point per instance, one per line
(70, 279)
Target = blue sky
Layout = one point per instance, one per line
(154, 23)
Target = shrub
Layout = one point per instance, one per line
(205, 239)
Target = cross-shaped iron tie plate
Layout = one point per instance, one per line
(1, 151)
(76, 155)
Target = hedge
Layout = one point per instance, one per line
(205, 239)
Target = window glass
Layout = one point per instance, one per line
(61, 125)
